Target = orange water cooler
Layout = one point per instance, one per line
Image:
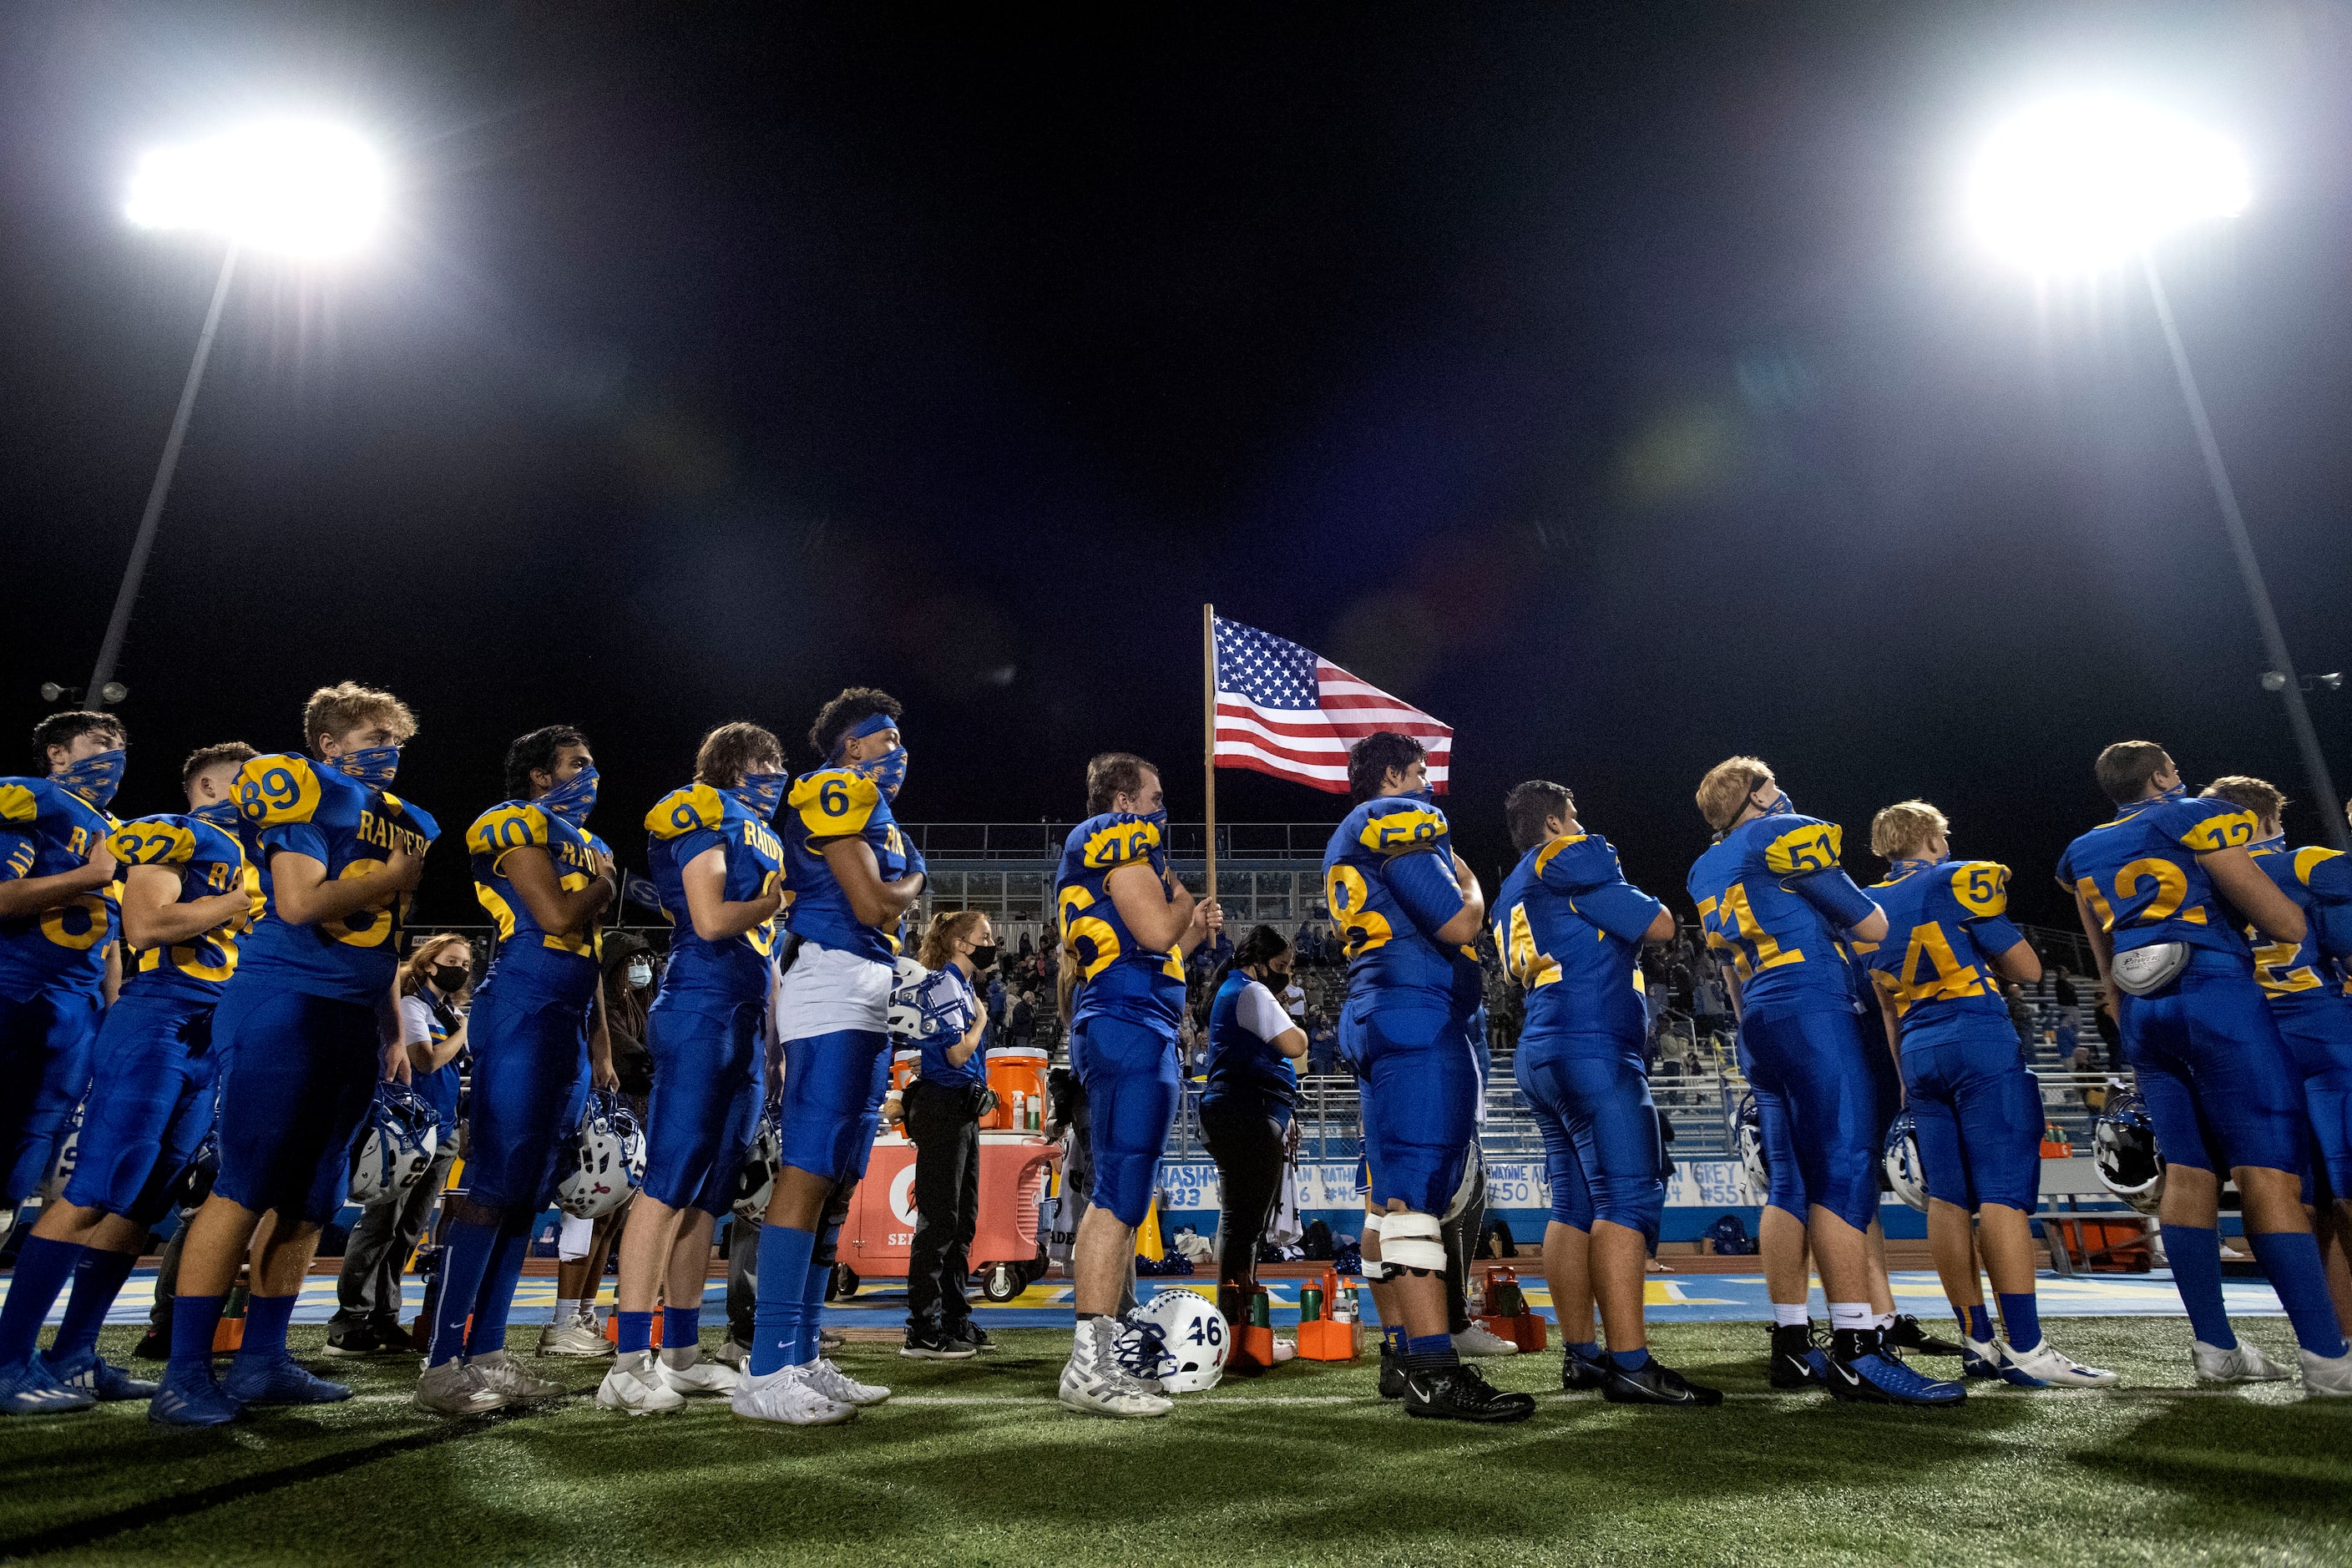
(880, 1230)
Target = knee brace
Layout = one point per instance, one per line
(1376, 1269)
(1409, 1241)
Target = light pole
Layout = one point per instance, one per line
(2083, 184)
(293, 188)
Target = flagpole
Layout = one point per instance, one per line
(1209, 730)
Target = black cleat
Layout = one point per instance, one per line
(1459, 1393)
(1578, 1375)
(1654, 1382)
(1796, 1363)
(1862, 1368)
(1906, 1333)
(155, 1345)
(972, 1334)
(1392, 1373)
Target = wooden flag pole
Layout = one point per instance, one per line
(1208, 730)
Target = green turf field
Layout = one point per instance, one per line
(973, 1463)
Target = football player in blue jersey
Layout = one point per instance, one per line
(2155, 888)
(1126, 926)
(539, 1042)
(1772, 895)
(1403, 903)
(853, 879)
(1571, 929)
(187, 894)
(307, 1026)
(717, 869)
(2309, 985)
(57, 952)
(1977, 1111)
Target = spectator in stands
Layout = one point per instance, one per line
(2062, 985)
(2021, 1015)
(2069, 1044)
(1322, 1045)
(1024, 1028)
(996, 1000)
(1294, 1000)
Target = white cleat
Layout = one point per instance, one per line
(2046, 1363)
(839, 1386)
(453, 1388)
(1482, 1341)
(519, 1387)
(698, 1377)
(785, 1396)
(636, 1390)
(2328, 1375)
(1095, 1383)
(577, 1338)
(730, 1353)
(1285, 1350)
(2242, 1364)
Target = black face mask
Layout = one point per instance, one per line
(450, 977)
(983, 958)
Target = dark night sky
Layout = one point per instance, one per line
(1614, 383)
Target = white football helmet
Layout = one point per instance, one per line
(1905, 1174)
(608, 1164)
(66, 1155)
(397, 1149)
(1194, 1341)
(906, 1021)
(755, 1183)
(1749, 1133)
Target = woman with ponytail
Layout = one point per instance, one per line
(1246, 1112)
(943, 1108)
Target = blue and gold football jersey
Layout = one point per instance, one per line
(1118, 977)
(1775, 901)
(293, 805)
(1388, 881)
(1569, 928)
(210, 862)
(2316, 974)
(2140, 874)
(46, 830)
(1944, 925)
(565, 964)
(838, 803)
(691, 822)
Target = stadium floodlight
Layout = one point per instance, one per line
(293, 186)
(2078, 185)
(2081, 183)
(297, 188)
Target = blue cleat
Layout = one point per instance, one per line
(192, 1400)
(1863, 1371)
(91, 1373)
(27, 1389)
(252, 1380)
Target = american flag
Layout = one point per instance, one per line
(1287, 711)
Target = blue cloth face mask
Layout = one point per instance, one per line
(1920, 863)
(888, 771)
(96, 779)
(1784, 806)
(761, 792)
(573, 799)
(374, 766)
(220, 814)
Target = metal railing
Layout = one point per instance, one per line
(1043, 841)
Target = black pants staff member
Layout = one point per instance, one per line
(942, 1108)
(1245, 1110)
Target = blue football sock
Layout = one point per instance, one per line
(1587, 1349)
(42, 1269)
(266, 1318)
(784, 1254)
(813, 1283)
(195, 1320)
(1631, 1360)
(495, 1298)
(465, 1258)
(2021, 1318)
(681, 1328)
(2195, 1251)
(1981, 1323)
(1430, 1351)
(2291, 1257)
(634, 1331)
(97, 1281)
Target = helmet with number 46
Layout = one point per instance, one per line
(1194, 1340)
